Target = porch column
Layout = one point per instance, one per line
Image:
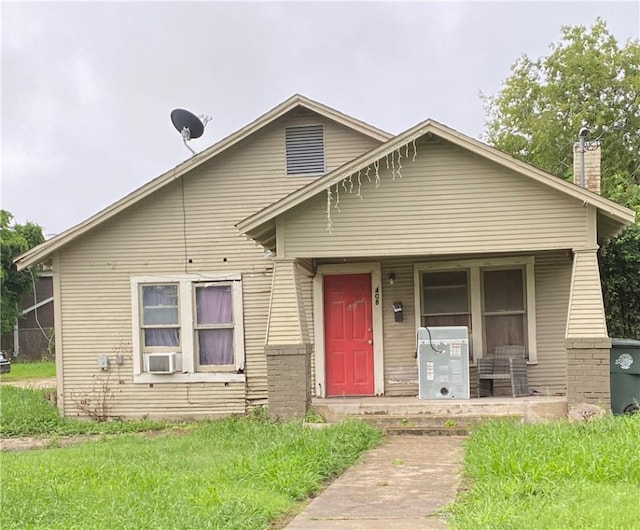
(587, 342)
(288, 347)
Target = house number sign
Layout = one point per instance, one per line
(377, 296)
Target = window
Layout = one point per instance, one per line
(214, 325)
(503, 308)
(445, 298)
(446, 301)
(198, 318)
(494, 298)
(160, 317)
(305, 150)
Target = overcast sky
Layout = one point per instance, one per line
(87, 87)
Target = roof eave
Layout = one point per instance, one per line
(623, 215)
(46, 249)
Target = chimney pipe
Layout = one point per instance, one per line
(586, 162)
(582, 134)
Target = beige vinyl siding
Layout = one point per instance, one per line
(256, 287)
(185, 227)
(287, 319)
(447, 201)
(400, 366)
(305, 289)
(586, 309)
(553, 276)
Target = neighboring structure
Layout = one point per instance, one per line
(32, 337)
(355, 238)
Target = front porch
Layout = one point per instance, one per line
(411, 412)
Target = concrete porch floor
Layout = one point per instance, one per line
(529, 409)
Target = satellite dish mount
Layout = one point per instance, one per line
(189, 125)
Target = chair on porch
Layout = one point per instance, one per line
(508, 362)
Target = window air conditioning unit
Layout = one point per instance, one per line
(163, 363)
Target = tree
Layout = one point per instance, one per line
(15, 239)
(587, 80)
(620, 269)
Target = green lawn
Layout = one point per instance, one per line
(558, 476)
(26, 412)
(233, 473)
(229, 474)
(28, 370)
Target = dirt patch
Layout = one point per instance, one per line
(23, 444)
(45, 382)
(32, 442)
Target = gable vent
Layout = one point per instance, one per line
(305, 150)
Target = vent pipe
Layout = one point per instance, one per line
(583, 135)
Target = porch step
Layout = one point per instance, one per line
(425, 424)
(409, 414)
(428, 431)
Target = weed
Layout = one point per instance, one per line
(398, 462)
(406, 422)
(259, 413)
(313, 416)
(97, 402)
(54, 443)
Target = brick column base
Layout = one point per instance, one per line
(588, 371)
(288, 380)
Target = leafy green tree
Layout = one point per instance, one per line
(587, 80)
(620, 268)
(15, 239)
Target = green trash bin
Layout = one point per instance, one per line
(625, 376)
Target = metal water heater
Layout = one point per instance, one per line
(443, 362)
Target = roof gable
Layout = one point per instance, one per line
(257, 225)
(43, 251)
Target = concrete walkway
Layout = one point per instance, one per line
(400, 485)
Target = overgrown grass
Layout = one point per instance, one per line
(557, 476)
(30, 370)
(26, 412)
(230, 474)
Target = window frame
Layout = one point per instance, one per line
(188, 344)
(475, 268)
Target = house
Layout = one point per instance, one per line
(298, 256)
(32, 337)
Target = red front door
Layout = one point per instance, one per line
(348, 335)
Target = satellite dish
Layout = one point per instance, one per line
(188, 125)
